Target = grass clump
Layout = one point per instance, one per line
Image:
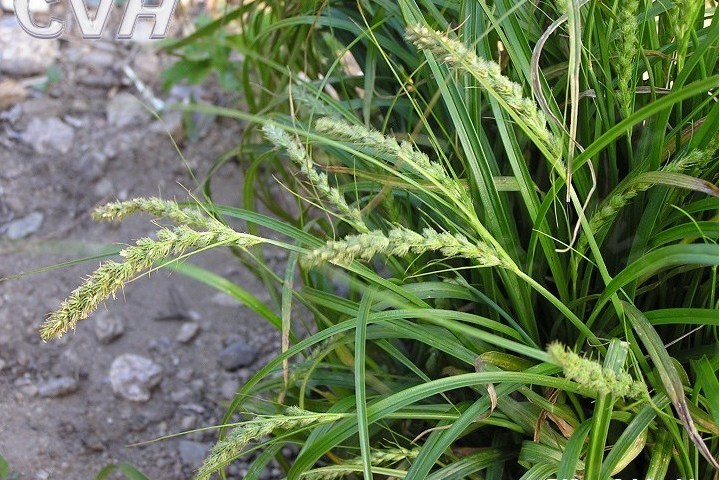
(475, 183)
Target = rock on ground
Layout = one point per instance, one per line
(133, 376)
(236, 355)
(49, 134)
(188, 331)
(22, 55)
(125, 109)
(108, 328)
(192, 453)
(24, 227)
(57, 387)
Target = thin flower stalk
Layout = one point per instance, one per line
(488, 74)
(319, 180)
(231, 446)
(111, 276)
(404, 152)
(399, 242)
(593, 375)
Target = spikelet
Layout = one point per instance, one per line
(610, 207)
(681, 19)
(404, 152)
(377, 458)
(399, 242)
(593, 375)
(231, 446)
(115, 211)
(489, 76)
(111, 276)
(626, 42)
(319, 180)
(387, 456)
(326, 473)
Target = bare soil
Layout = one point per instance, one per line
(73, 435)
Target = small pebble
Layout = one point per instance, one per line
(29, 390)
(188, 422)
(108, 328)
(188, 331)
(192, 453)
(57, 387)
(48, 135)
(192, 407)
(124, 110)
(181, 396)
(185, 374)
(25, 226)
(229, 388)
(103, 188)
(133, 376)
(236, 355)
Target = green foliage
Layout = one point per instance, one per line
(480, 181)
(128, 471)
(4, 468)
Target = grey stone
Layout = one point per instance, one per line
(29, 390)
(172, 123)
(133, 376)
(49, 135)
(125, 110)
(236, 355)
(108, 328)
(95, 59)
(22, 55)
(25, 226)
(229, 388)
(188, 331)
(192, 453)
(188, 422)
(93, 166)
(57, 387)
(42, 475)
(185, 374)
(192, 407)
(103, 188)
(183, 395)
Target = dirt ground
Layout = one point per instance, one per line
(72, 138)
